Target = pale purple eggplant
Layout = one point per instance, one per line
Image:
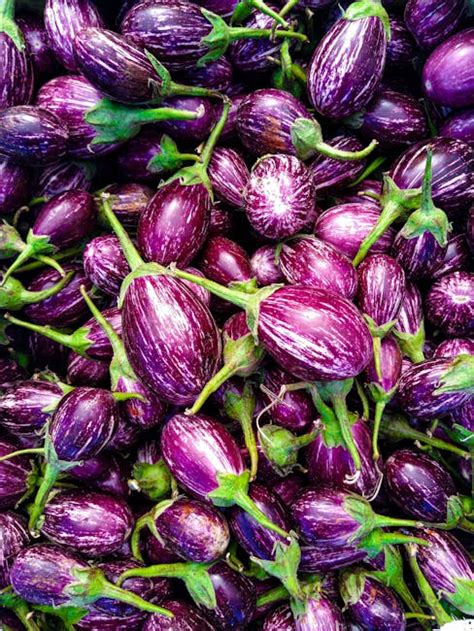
(11, 372)
(38, 46)
(295, 411)
(235, 598)
(221, 478)
(409, 328)
(215, 75)
(14, 537)
(393, 118)
(459, 125)
(458, 50)
(50, 575)
(225, 261)
(456, 258)
(17, 476)
(454, 346)
(329, 461)
(401, 47)
(265, 268)
(432, 26)
(63, 20)
(421, 487)
(174, 225)
(128, 201)
(328, 558)
(88, 522)
(64, 176)
(104, 264)
(347, 65)
(190, 131)
(279, 619)
(17, 70)
(331, 174)
(274, 121)
(447, 567)
(15, 182)
(185, 616)
(346, 226)
(449, 304)
(82, 371)
(280, 196)
(26, 406)
(306, 260)
(435, 387)
(320, 615)
(229, 176)
(32, 136)
(370, 603)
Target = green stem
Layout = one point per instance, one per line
(379, 408)
(273, 596)
(114, 338)
(340, 154)
(363, 399)
(22, 452)
(236, 297)
(382, 521)
(109, 590)
(264, 8)
(250, 442)
(166, 113)
(299, 73)
(238, 32)
(48, 260)
(7, 8)
(328, 418)
(369, 169)
(248, 505)
(141, 523)
(291, 4)
(130, 251)
(24, 255)
(42, 495)
(466, 525)
(60, 256)
(206, 153)
(426, 590)
(396, 538)
(389, 214)
(224, 374)
(342, 415)
(31, 297)
(403, 591)
(377, 344)
(178, 89)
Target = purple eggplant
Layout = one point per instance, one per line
(104, 264)
(459, 125)
(265, 268)
(436, 387)
(128, 201)
(308, 261)
(222, 222)
(82, 371)
(421, 488)
(64, 19)
(221, 7)
(190, 131)
(280, 198)
(10, 372)
(15, 182)
(32, 136)
(235, 598)
(456, 257)
(279, 619)
(274, 121)
(329, 558)
(91, 523)
(330, 173)
(215, 75)
(432, 27)
(185, 616)
(14, 296)
(320, 614)
(26, 406)
(292, 409)
(40, 52)
(224, 261)
(17, 476)
(287, 488)
(346, 226)
(458, 50)
(454, 346)
(14, 537)
(370, 603)
(50, 575)
(229, 176)
(17, 69)
(449, 303)
(401, 47)
(347, 65)
(409, 328)
(64, 176)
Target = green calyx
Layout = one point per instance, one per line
(281, 446)
(35, 246)
(10, 241)
(368, 8)
(14, 296)
(8, 26)
(169, 158)
(153, 480)
(245, 8)
(243, 355)
(252, 307)
(412, 345)
(284, 566)
(352, 585)
(378, 540)
(463, 596)
(360, 510)
(458, 377)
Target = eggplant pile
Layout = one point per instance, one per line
(236, 315)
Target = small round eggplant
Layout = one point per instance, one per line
(431, 26)
(215, 75)
(64, 176)
(264, 266)
(15, 181)
(320, 615)
(295, 410)
(454, 346)
(456, 257)
(229, 176)
(14, 537)
(225, 261)
(105, 264)
(449, 303)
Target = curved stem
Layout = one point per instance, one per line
(250, 442)
(41, 260)
(141, 523)
(114, 338)
(22, 452)
(238, 32)
(65, 339)
(405, 594)
(396, 538)
(248, 505)
(109, 590)
(466, 525)
(48, 260)
(211, 142)
(224, 374)
(377, 344)
(7, 8)
(49, 478)
(272, 596)
(167, 113)
(342, 415)
(130, 251)
(369, 169)
(340, 154)
(426, 590)
(24, 255)
(363, 399)
(31, 297)
(236, 297)
(379, 408)
(389, 214)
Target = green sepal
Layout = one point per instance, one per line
(281, 446)
(412, 345)
(237, 406)
(284, 566)
(4, 339)
(355, 121)
(379, 330)
(306, 134)
(114, 122)
(419, 222)
(247, 286)
(368, 8)
(199, 585)
(163, 88)
(378, 394)
(168, 159)
(192, 176)
(230, 485)
(217, 40)
(70, 616)
(39, 244)
(361, 511)
(406, 199)
(10, 241)
(459, 376)
(351, 586)
(253, 307)
(463, 596)
(393, 566)
(243, 355)
(8, 26)
(455, 511)
(284, 81)
(153, 480)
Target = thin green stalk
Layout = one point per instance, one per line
(215, 135)
(379, 408)
(369, 169)
(130, 251)
(60, 256)
(426, 590)
(238, 32)
(390, 213)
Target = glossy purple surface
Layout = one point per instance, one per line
(460, 125)
(38, 46)
(215, 75)
(420, 255)
(128, 201)
(105, 264)
(410, 315)
(457, 257)
(64, 176)
(327, 558)
(16, 87)
(381, 288)
(224, 261)
(330, 174)
(82, 371)
(390, 365)
(264, 266)
(401, 47)
(279, 619)
(454, 346)
(432, 25)
(15, 181)
(235, 595)
(229, 176)
(66, 218)
(14, 474)
(14, 537)
(378, 607)
(321, 615)
(296, 410)
(133, 158)
(251, 55)
(449, 304)
(186, 617)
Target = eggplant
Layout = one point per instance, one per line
(265, 268)
(346, 226)
(63, 21)
(456, 257)
(229, 176)
(64, 176)
(128, 201)
(431, 28)
(421, 487)
(329, 558)
(456, 50)
(215, 75)
(104, 264)
(435, 387)
(10, 372)
(185, 616)
(41, 55)
(320, 614)
(292, 409)
(15, 185)
(17, 70)
(190, 131)
(222, 222)
(88, 522)
(449, 303)
(370, 603)
(14, 537)
(235, 598)
(401, 47)
(82, 371)
(347, 64)
(454, 346)
(459, 125)
(50, 575)
(409, 329)
(17, 476)
(287, 488)
(279, 619)
(224, 261)
(306, 260)
(330, 173)
(14, 296)
(32, 136)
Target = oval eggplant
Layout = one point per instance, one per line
(229, 176)
(39, 49)
(17, 70)
(459, 125)
(14, 537)
(320, 615)
(15, 181)
(185, 617)
(431, 26)
(104, 264)
(264, 266)
(295, 410)
(330, 174)
(449, 303)
(64, 176)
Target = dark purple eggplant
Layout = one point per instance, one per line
(455, 92)
(292, 409)
(347, 65)
(185, 616)
(235, 598)
(215, 75)
(222, 222)
(409, 328)
(306, 260)
(320, 614)
(401, 47)
(104, 264)
(17, 476)
(82, 371)
(287, 488)
(229, 176)
(10, 372)
(431, 26)
(454, 346)
(459, 125)
(190, 131)
(15, 180)
(50, 575)
(91, 523)
(280, 197)
(436, 387)
(17, 70)
(370, 603)
(128, 201)
(225, 261)
(63, 20)
(14, 537)
(64, 176)
(32, 136)
(421, 488)
(456, 258)
(449, 303)
(38, 46)
(265, 268)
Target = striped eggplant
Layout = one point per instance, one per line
(329, 558)
(17, 76)
(265, 268)
(63, 20)
(14, 537)
(41, 55)
(88, 522)
(347, 64)
(294, 410)
(32, 136)
(50, 575)
(306, 260)
(225, 261)
(421, 487)
(115, 480)
(229, 176)
(230, 128)
(15, 183)
(409, 329)
(104, 264)
(436, 387)
(371, 604)
(274, 121)
(202, 293)
(280, 197)
(279, 619)
(128, 201)
(215, 75)
(222, 222)
(456, 258)
(431, 26)
(459, 125)
(449, 303)
(331, 174)
(362, 191)
(10, 372)
(346, 226)
(64, 176)
(185, 616)
(320, 614)
(401, 47)
(126, 435)
(454, 346)
(82, 371)
(455, 92)
(17, 476)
